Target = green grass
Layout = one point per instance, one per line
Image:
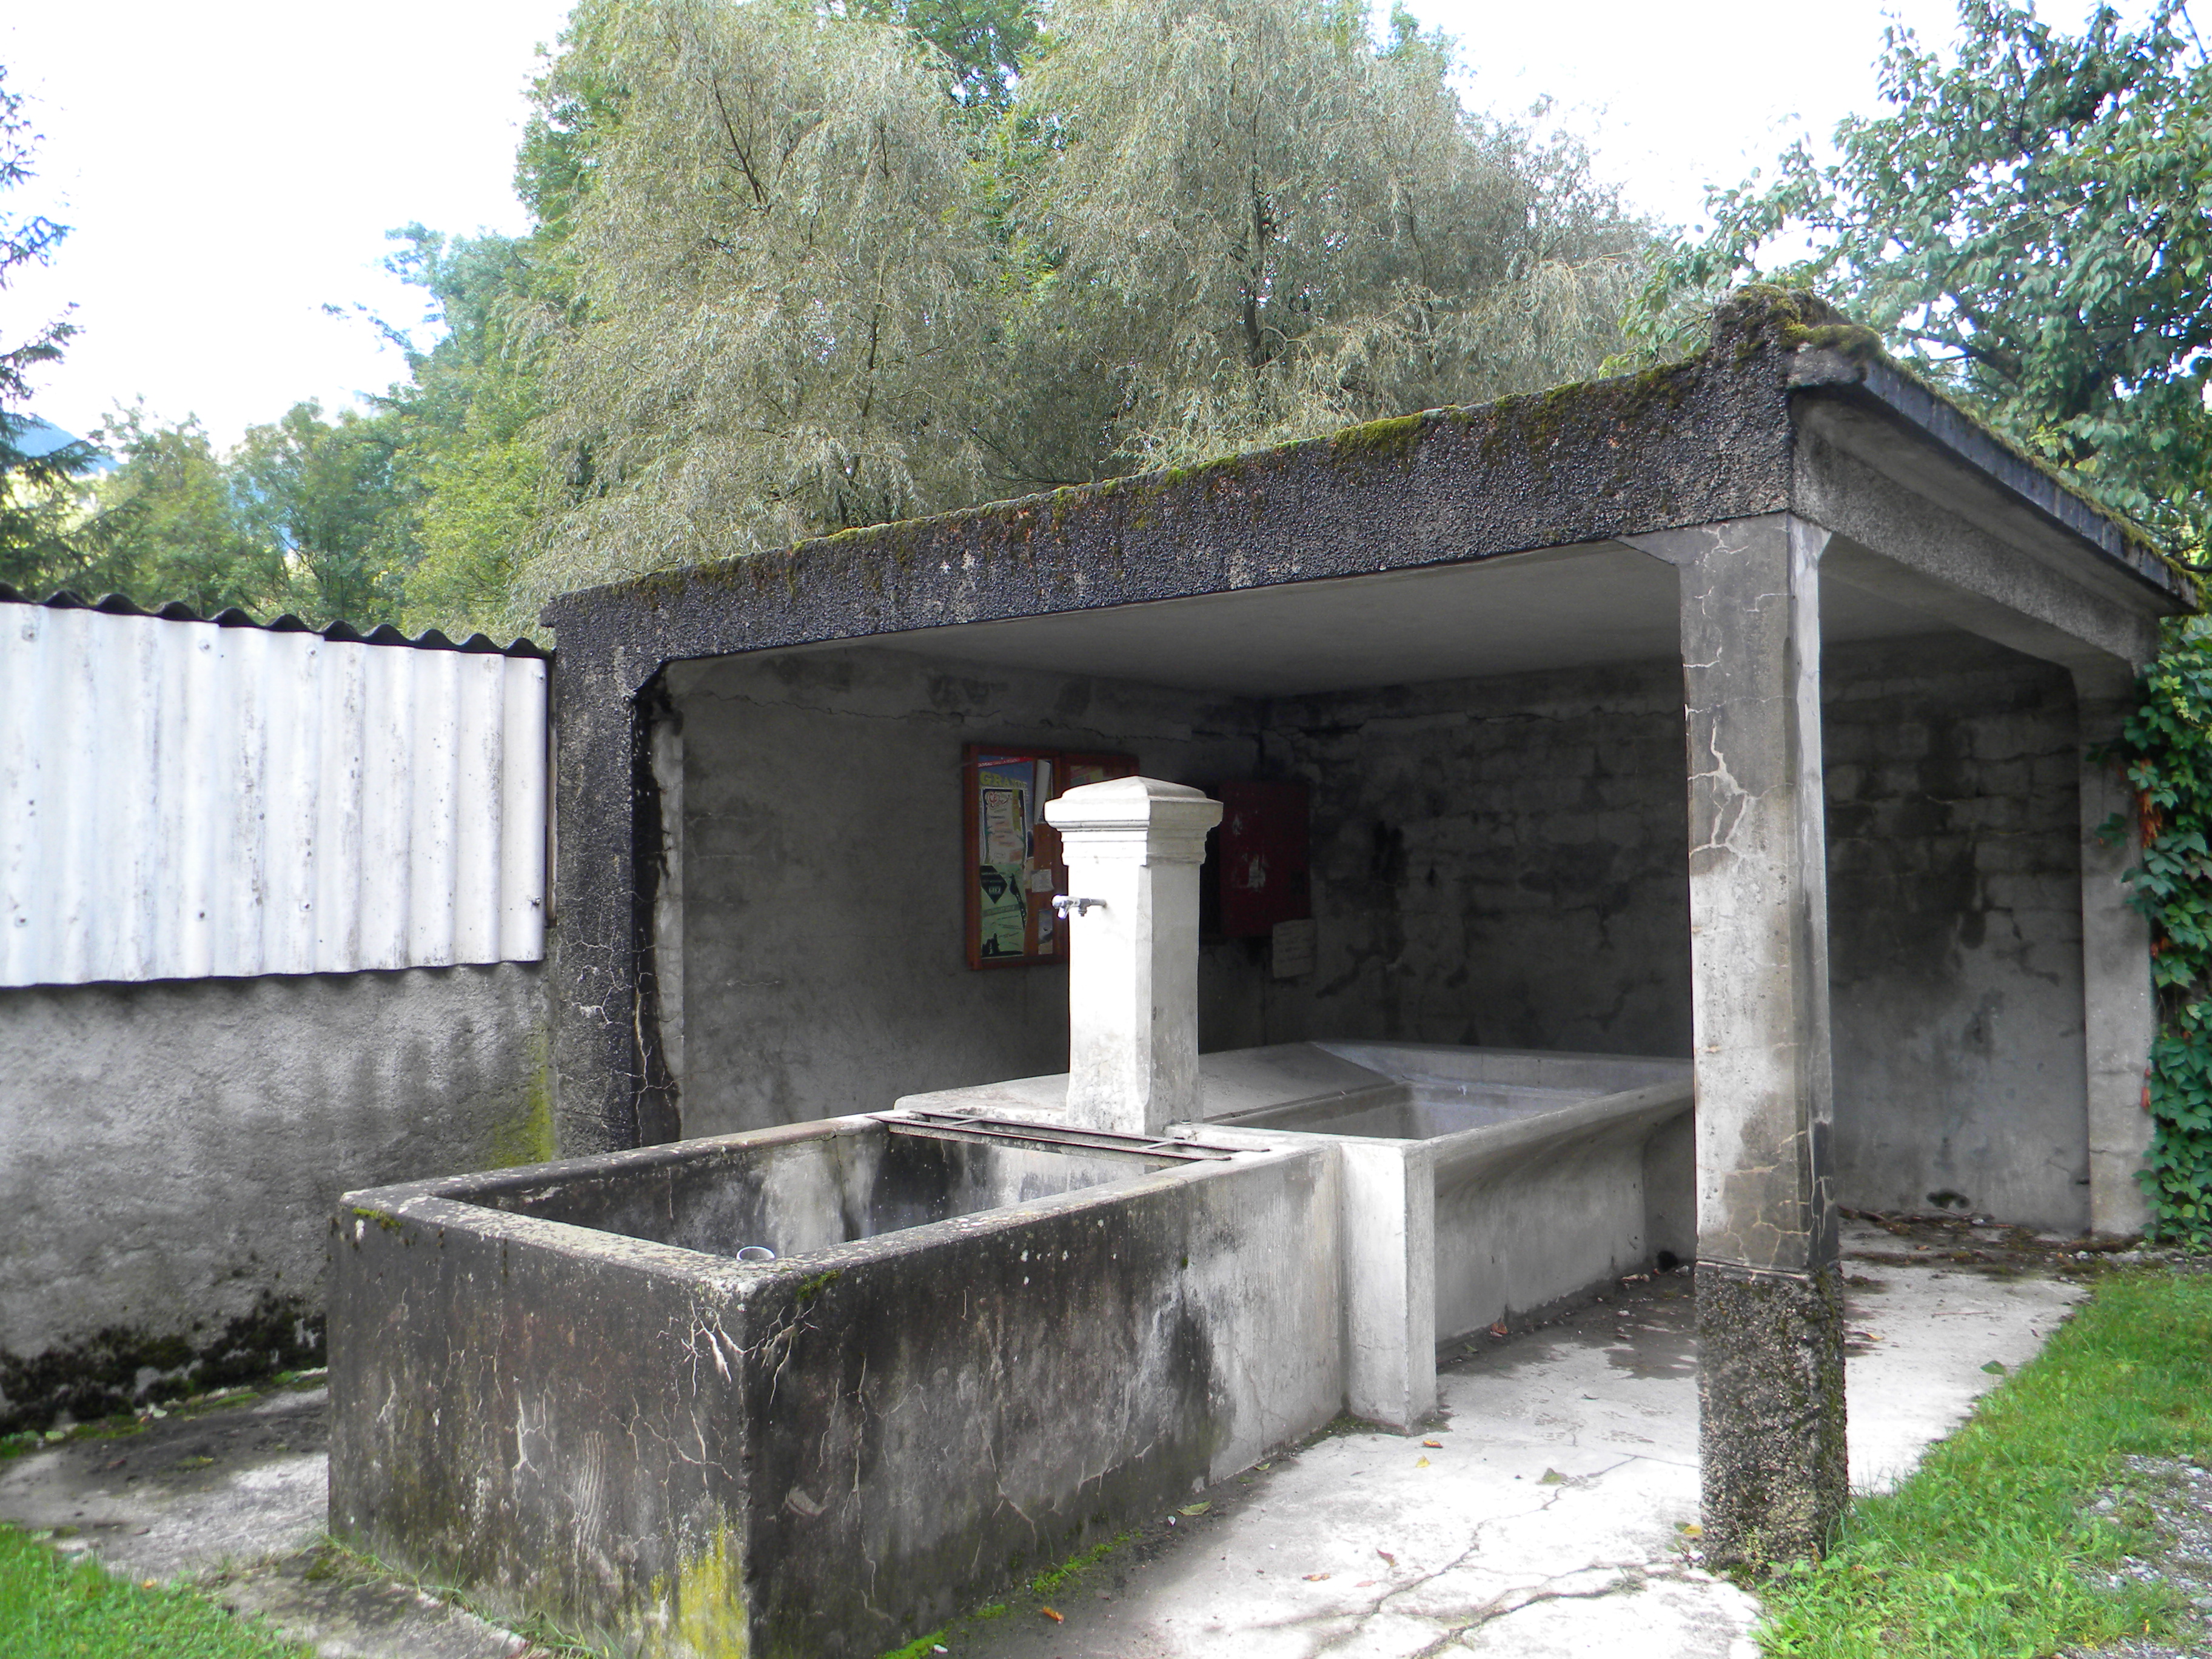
(920, 1648)
(51, 1609)
(1053, 1577)
(1989, 1552)
(1044, 1584)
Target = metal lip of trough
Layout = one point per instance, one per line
(824, 1451)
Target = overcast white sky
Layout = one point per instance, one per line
(230, 167)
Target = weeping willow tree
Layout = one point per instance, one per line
(818, 280)
(1250, 223)
(785, 283)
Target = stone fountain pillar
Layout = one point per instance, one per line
(1133, 846)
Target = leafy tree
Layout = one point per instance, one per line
(174, 532)
(783, 288)
(305, 515)
(985, 43)
(326, 500)
(1251, 225)
(2031, 227)
(473, 471)
(41, 509)
(801, 283)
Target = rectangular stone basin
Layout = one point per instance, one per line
(807, 1193)
(1479, 1184)
(978, 1345)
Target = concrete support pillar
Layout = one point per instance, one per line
(1133, 845)
(2119, 1018)
(1770, 1304)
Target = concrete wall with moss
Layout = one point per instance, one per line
(823, 964)
(1502, 862)
(1955, 899)
(1498, 861)
(170, 1154)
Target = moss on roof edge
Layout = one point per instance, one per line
(1755, 320)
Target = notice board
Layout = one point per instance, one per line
(1011, 861)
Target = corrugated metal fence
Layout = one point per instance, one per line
(181, 798)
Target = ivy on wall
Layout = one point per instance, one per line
(2167, 748)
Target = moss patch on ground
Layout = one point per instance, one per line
(1995, 1546)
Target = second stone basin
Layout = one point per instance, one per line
(1478, 1184)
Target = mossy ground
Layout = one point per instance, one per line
(1032, 1598)
(1993, 1548)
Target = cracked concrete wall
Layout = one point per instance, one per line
(1495, 861)
(1955, 964)
(169, 1153)
(1500, 861)
(823, 970)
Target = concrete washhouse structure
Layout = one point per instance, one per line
(1742, 715)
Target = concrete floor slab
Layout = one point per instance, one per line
(1546, 1511)
(1552, 1515)
(1919, 1344)
(242, 1480)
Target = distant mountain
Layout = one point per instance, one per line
(35, 437)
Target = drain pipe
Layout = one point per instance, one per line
(1133, 846)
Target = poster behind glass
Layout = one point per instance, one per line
(1012, 860)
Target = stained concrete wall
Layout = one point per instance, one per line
(169, 1154)
(822, 937)
(1497, 861)
(825, 1454)
(1955, 954)
(1502, 862)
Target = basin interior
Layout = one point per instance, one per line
(1422, 1091)
(1411, 1111)
(852, 1180)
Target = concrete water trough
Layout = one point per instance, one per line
(976, 1345)
(1478, 1184)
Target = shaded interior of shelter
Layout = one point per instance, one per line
(854, 1180)
(1495, 752)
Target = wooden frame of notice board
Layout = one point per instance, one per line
(1010, 856)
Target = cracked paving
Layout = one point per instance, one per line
(1549, 1519)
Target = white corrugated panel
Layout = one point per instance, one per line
(180, 800)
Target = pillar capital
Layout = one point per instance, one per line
(1139, 818)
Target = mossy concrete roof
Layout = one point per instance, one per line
(1707, 439)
